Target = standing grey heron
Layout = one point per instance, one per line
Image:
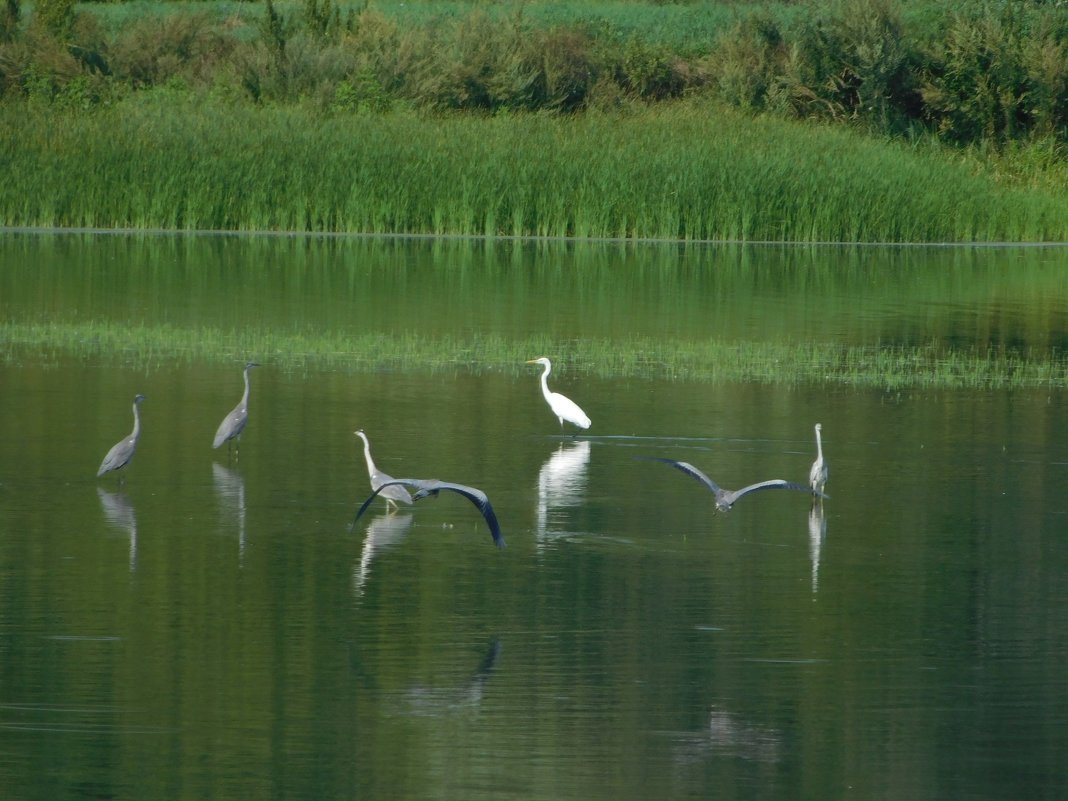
(432, 486)
(393, 494)
(817, 474)
(563, 407)
(123, 451)
(234, 423)
(725, 499)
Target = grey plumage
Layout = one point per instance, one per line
(123, 451)
(432, 486)
(394, 493)
(725, 499)
(234, 423)
(817, 474)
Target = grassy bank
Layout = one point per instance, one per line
(673, 171)
(891, 368)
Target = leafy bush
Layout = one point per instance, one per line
(55, 16)
(748, 61)
(652, 72)
(995, 79)
(155, 50)
(10, 15)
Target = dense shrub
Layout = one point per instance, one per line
(993, 78)
(970, 72)
(153, 51)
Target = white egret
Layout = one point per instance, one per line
(563, 407)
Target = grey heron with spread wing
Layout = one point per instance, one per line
(725, 499)
(432, 486)
(392, 494)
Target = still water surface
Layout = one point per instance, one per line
(213, 628)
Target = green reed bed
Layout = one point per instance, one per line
(881, 366)
(675, 172)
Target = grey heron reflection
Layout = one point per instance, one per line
(382, 532)
(562, 481)
(467, 696)
(728, 734)
(230, 489)
(120, 514)
(817, 533)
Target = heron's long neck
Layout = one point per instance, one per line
(545, 381)
(137, 423)
(819, 445)
(244, 398)
(367, 455)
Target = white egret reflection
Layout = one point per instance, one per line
(562, 482)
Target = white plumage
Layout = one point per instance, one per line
(563, 407)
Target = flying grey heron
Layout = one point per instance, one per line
(725, 499)
(123, 451)
(432, 486)
(564, 408)
(234, 423)
(817, 475)
(393, 494)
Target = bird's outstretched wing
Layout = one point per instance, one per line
(426, 487)
(480, 500)
(774, 483)
(411, 482)
(688, 469)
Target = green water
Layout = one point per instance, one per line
(872, 317)
(205, 627)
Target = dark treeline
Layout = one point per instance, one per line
(988, 72)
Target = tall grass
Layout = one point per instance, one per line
(675, 171)
(898, 367)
